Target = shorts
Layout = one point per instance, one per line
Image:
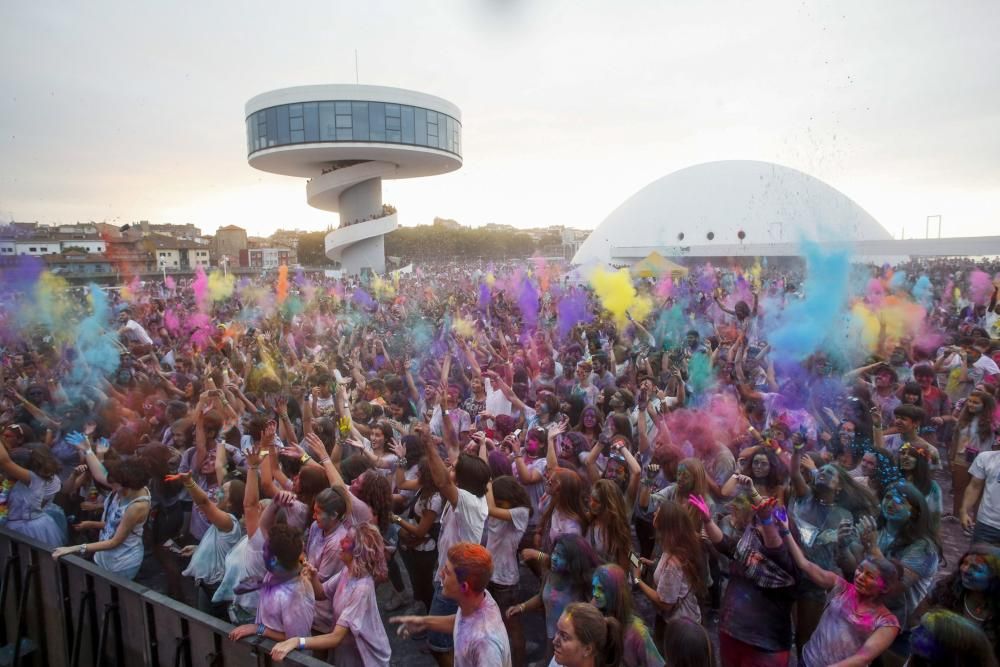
(986, 534)
(441, 642)
(504, 595)
(740, 654)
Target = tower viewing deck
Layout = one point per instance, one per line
(346, 139)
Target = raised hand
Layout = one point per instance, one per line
(765, 508)
(315, 446)
(699, 503)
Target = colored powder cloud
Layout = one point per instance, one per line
(571, 310)
(527, 301)
(282, 287)
(618, 295)
(980, 287)
(98, 354)
(805, 324)
(200, 288)
(220, 286)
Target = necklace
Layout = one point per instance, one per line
(972, 614)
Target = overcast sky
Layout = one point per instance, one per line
(122, 111)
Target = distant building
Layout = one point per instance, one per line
(229, 242)
(179, 254)
(265, 258)
(185, 231)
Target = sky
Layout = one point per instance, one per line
(120, 111)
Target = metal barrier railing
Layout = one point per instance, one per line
(72, 613)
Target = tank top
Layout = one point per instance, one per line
(126, 558)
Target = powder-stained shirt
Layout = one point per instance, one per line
(481, 638)
(844, 627)
(502, 541)
(287, 606)
(674, 588)
(355, 608)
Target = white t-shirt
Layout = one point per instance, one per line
(481, 638)
(462, 523)
(535, 490)
(503, 538)
(137, 332)
(986, 467)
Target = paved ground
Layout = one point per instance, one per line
(412, 653)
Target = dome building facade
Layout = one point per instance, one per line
(729, 208)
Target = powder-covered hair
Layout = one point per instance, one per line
(473, 565)
(369, 553)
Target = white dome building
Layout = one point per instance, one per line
(727, 209)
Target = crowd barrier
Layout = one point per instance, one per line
(71, 613)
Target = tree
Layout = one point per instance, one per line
(312, 249)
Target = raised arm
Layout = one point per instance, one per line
(798, 481)
(439, 472)
(221, 520)
(11, 470)
(251, 494)
(822, 578)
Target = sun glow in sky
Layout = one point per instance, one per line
(123, 111)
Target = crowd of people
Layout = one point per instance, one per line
(742, 466)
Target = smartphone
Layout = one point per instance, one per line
(633, 558)
(516, 433)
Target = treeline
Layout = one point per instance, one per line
(429, 243)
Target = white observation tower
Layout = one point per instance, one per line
(345, 139)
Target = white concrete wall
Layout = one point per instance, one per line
(170, 259)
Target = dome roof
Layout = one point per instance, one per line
(713, 203)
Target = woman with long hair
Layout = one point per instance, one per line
(568, 579)
(903, 532)
(34, 483)
(208, 562)
(509, 514)
(973, 433)
(565, 513)
(374, 489)
(686, 644)
(832, 498)
(587, 638)
(856, 626)
(612, 594)
(679, 577)
(323, 543)
(915, 465)
(591, 423)
(358, 636)
(609, 531)
(692, 480)
(972, 590)
(946, 639)
(765, 468)
(419, 526)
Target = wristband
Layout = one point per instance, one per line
(324, 460)
(83, 549)
(518, 456)
(302, 643)
(403, 462)
(305, 458)
(783, 532)
(260, 629)
(767, 522)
